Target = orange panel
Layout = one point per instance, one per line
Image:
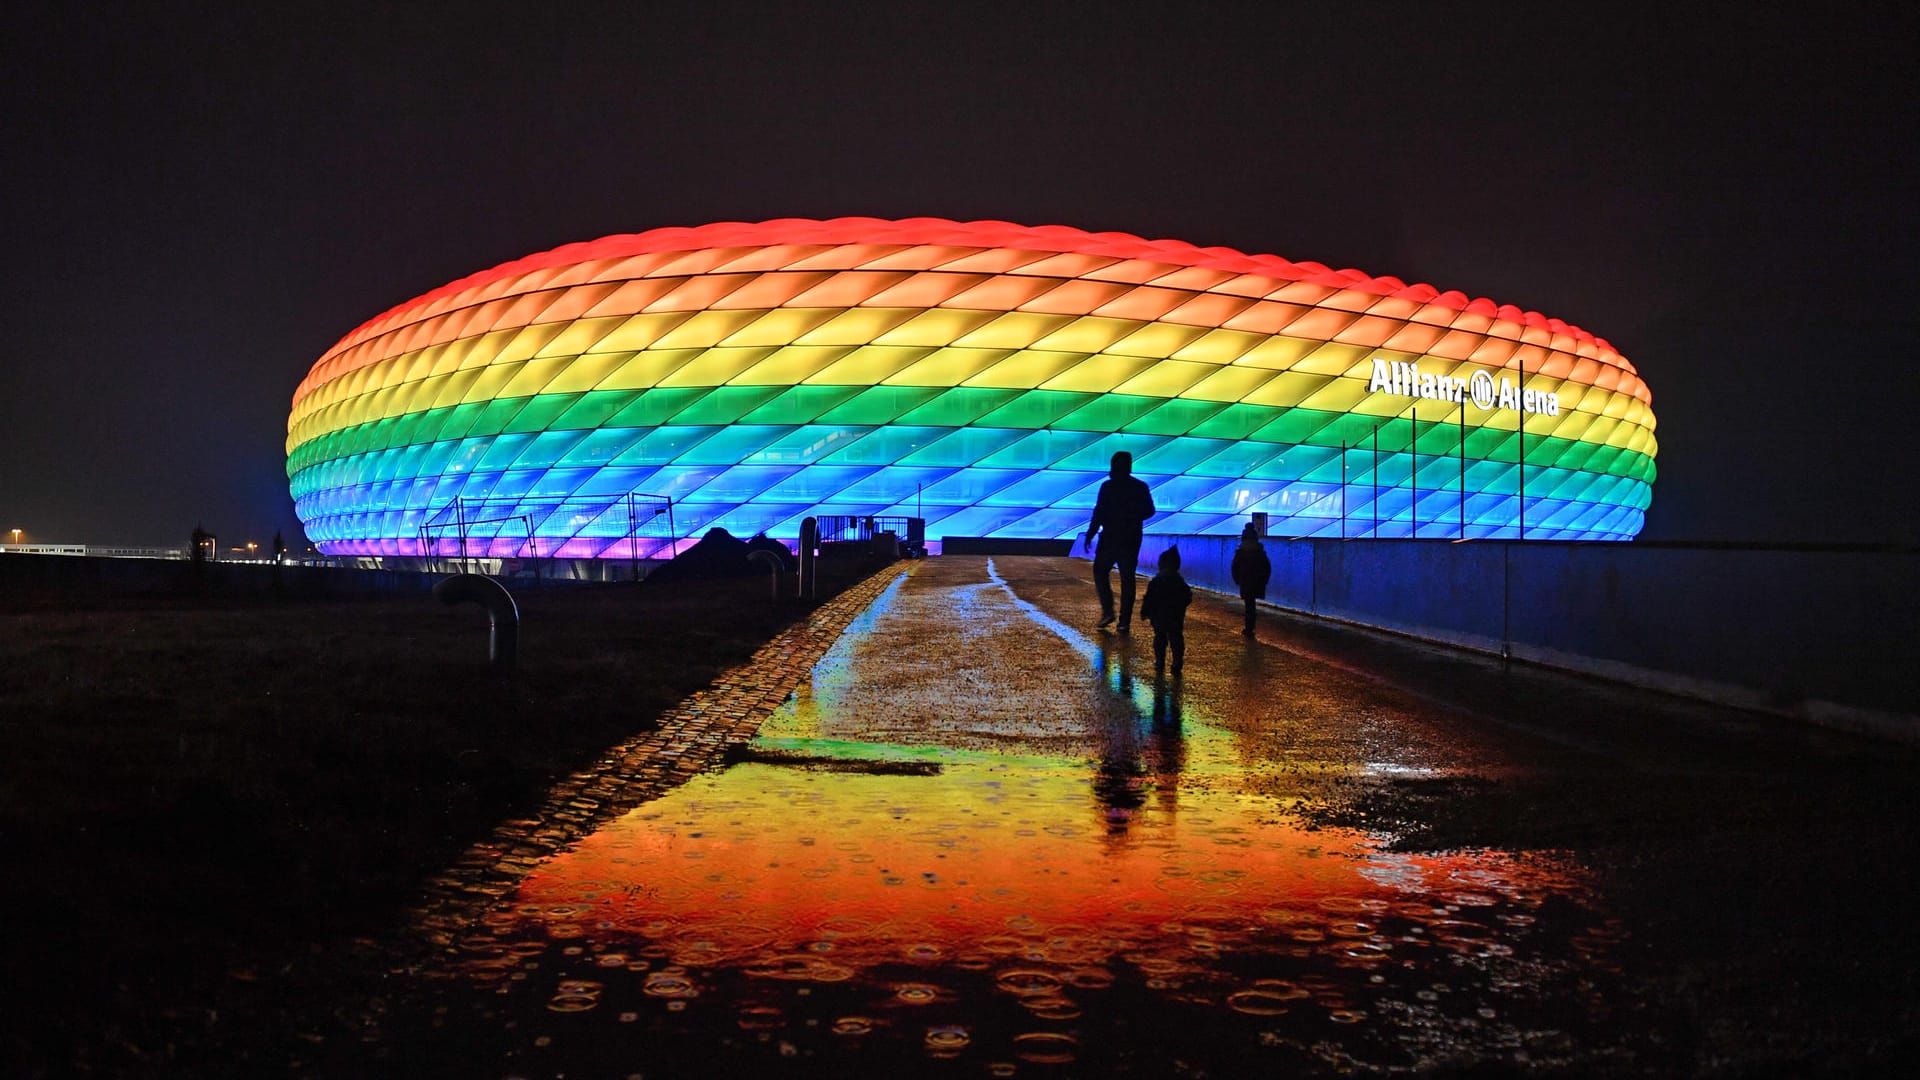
(1145, 303)
(1075, 297)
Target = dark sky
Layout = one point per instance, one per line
(199, 200)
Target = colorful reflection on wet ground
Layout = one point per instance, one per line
(1121, 892)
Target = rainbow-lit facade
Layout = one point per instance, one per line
(977, 374)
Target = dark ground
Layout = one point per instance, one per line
(1770, 870)
(206, 793)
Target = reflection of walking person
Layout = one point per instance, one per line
(1119, 515)
(1251, 569)
(1165, 606)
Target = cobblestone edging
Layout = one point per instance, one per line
(692, 737)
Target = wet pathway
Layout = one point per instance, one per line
(983, 838)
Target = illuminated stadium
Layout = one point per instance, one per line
(617, 398)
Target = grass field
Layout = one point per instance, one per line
(202, 790)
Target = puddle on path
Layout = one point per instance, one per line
(1129, 906)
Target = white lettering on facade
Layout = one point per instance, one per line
(1404, 379)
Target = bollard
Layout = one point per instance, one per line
(772, 562)
(809, 543)
(503, 617)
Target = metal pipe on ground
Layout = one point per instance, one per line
(503, 616)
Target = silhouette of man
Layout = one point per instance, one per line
(1119, 515)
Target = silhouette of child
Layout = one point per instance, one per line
(1251, 569)
(1165, 606)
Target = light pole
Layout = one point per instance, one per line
(16, 537)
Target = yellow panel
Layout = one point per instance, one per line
(1289, 388)
(1573, 425)
(641, 332)
(713, 367)
(1362, 366)
(790, 365)
(529, 340)
(1158, 340)
(704, 330)
(416, 396)
(1228, 384)
(1334, 358)
(1098, 374)
(646, 369)
(1013, 330)
(1278, 353)
(1165, 378)
(535, 375)
(1219, 346)
(780, 327)
(1090, 334)
(484, 349)
(444, 358)
(413, 366)
(492, 378)
(586, 372)
(866, 366)
(581, 336)
(938, 327)
(375, 405)
(1350, 395)
(948, 367)
(454, 390)
(478, 351)
(856, 327)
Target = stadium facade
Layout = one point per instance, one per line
(978, 375)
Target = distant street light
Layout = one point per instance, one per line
(16, 537)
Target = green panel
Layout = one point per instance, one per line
(406, 429)
(1314, 426)
(1491, 444)
(960, 406)
(1035, 409)
(876, 405)
(496, 415)
(965, 446)
(1109, 412)
(657, 405)
(1236, 421)
(800, 404)
(541, 411)
(459, 420)
(594, 409)
(1177, 417)
(726, 404)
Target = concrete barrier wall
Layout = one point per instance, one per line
(1824, 634)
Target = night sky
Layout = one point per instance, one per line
(199, 201)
